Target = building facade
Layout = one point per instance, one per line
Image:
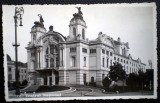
(11, 70)
(57, 60)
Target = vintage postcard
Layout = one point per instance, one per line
(66, 52)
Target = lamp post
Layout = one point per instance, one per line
(18, 16)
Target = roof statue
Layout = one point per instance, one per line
(40, 22)
(79, 14)
(41, 19)
(79, 11)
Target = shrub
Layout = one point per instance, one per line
(92, 84)
(16, 84)
(24, 82)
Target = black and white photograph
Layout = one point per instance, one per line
(84, 52)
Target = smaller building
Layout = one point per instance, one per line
(11, 70)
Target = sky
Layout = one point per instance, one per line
(132, 23)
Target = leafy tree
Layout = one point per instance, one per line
(106, 82)
(116, 72)
(149, 78)
(15, 84)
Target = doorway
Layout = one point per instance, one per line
(92, 79)
(84, 79)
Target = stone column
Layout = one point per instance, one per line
(53, 81)
(48, 80)
(61, 56)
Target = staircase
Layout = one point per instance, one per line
(32, 88)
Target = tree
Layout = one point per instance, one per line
(149, 78)
(106, 82)
(133, 81)
(116, 72)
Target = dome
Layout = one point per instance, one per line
(38, 26)
(77, 19)
(57, 35)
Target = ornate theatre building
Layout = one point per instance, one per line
(57, 60)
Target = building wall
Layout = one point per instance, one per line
(11, 72)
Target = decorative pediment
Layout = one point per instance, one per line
(105, 39)
(108, 42)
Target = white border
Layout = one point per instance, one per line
(154, 96)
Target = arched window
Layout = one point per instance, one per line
(74, 32)
(83, 34)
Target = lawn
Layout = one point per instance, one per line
(51, 88)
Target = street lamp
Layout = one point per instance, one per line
(18, 16)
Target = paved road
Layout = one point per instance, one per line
(89, 91)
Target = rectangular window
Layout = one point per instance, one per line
(9, 76)
(110, 53)
(107, 63)
(84, 50)
(9, 69)
(103, 62)
(92, 51)
(21, 70)
(111, 63)
(107, 52)
(73, 61)
(72, 50)
(84, 61)
(103, 51)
